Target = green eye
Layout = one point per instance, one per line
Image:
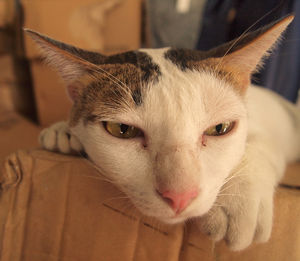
(121, 130)
(220, 129)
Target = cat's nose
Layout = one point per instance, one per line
(178, 201)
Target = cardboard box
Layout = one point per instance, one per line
(7, 13)
(52, 101)
(56, 207)
(8, 83)
(6, 96)
(16, 133)
(107, 26)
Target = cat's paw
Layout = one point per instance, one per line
(58, 138)
(240, 218)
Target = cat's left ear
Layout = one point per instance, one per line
(240, 58)
(73, 64)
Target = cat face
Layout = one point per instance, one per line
(171, 154)
(182, 113)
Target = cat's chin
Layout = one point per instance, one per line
(176, 219)
(173, 220)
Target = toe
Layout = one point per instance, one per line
(49, 139)
(63, 142)
(264, 221)
(214, 224)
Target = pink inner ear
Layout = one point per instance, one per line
(73, 91)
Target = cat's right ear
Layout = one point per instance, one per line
(74, 65)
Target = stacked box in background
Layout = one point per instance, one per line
(7, 74)
(7, 83)
(106, 26)
(16, 131)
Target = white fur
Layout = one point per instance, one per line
(236, 173)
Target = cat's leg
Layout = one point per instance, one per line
(243, 211)
(58, 137)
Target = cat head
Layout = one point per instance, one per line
(167, 126)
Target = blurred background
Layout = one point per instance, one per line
(33, 96)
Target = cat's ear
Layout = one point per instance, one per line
(240, 58)
(73, 64)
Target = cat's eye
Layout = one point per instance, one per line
(121, 130)
(220, 129)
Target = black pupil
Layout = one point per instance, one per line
(124, 128)
(219, 127)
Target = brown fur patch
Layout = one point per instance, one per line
(116, 89)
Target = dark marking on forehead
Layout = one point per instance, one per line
(106, 96)
(134, 68)
(150, 70)
(117, 86)
(137, 96)
(184, 58)
(137, 58)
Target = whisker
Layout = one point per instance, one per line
(97, 69)
(123, 86)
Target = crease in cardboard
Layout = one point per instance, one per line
(65, 200)
(119, 212)
(8, 122)
(29, 180)
(12, 176)
(15, 223)
(135, 250)
(155, 229)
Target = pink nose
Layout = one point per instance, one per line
(179, 201)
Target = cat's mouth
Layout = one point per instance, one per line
(166, 215)
(178, 218)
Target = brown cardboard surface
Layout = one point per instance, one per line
(293, 177)
(7, 68)
(108, 26)
(16, 133)
(51, 97)
(6, 96)
(56, 207)
(8, 83)
(7, 11)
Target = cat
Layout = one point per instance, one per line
(182, 132)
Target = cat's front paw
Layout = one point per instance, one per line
(58, 138)
(240, 217)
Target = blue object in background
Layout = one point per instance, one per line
(283, 70)
(224, 20)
